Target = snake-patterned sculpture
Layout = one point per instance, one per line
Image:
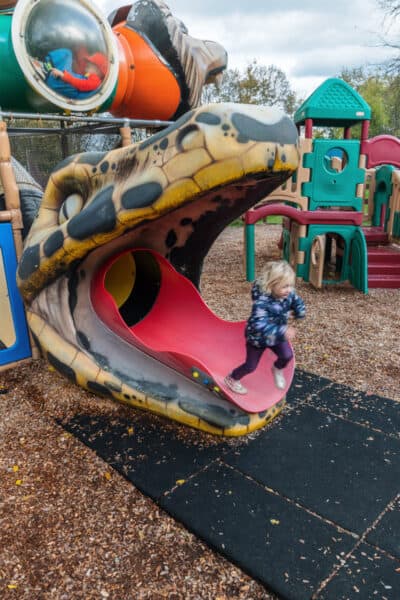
(171, 195)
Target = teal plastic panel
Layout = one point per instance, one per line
(286, 244)
(359, 262)
(250, 253)
(396, 224)
(329, 186)
(334, 103)
(347, 232)
(383, 191)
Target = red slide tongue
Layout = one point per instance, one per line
(180, 331)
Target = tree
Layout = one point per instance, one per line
(391, 10)
(390, 7)
(256, 84)
(382, 92)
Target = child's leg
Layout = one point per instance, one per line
(253, 356)
(59, 86)
(284, 353)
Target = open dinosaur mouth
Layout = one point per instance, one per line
(145, 301)
(140, 297)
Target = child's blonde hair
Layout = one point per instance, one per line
(276, 272)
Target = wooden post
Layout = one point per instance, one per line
(64, 141)
(13, 209)
(11, 193)
(126, 135)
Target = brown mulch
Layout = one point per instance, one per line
(347, 336)
(72, 528)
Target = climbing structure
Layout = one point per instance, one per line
(325, 236)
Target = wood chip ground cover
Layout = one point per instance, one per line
(72, 528)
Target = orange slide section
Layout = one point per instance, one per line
(181, 331)
(147, 87)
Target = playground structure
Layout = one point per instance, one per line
(155, 69)
(325, 237)
(112, 262)
(111, 265)
(182, 370)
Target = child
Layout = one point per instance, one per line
(96, 70)
(57, 70)
(273, 299)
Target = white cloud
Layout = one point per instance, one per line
(309, 43)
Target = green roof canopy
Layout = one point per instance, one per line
(333, 104)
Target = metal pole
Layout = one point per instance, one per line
(85, 119)
(64, 143)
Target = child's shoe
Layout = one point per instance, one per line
(235, 385)
(279, 378)
(47, 67)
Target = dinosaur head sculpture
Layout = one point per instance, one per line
(129, 215)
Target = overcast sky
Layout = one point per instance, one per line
(309, 40)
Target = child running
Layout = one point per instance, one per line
(274, 299)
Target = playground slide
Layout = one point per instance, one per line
(182, 332)
(381, 150)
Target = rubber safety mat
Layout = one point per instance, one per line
(309, 506)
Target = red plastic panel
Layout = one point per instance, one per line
(304, 217)
(381, 150)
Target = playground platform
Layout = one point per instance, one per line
(309, 506)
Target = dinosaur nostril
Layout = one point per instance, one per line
(71, 206)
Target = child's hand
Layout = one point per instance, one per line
(57, 73)
(290, 332)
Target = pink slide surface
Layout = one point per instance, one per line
(183, 333)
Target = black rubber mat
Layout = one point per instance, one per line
(273, 540)
(366, 409)
(309, 506)
(152, 458)
(386, 533)
(338, 469)
(367, 574)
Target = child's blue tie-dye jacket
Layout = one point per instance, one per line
(267, 323)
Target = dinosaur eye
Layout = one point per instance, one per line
(71, 206)
(189, 137)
